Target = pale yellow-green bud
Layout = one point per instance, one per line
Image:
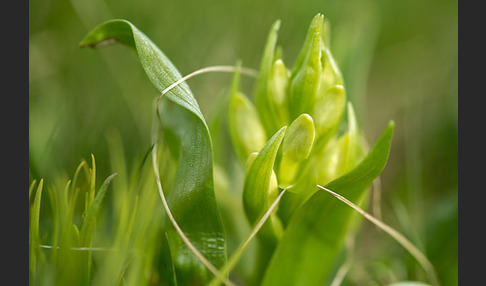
(306, 73)
(278, 81)
(331, 75)
(328, 110)
(246, 130)
(343, 153)
(296, 148)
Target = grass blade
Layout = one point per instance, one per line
(34, 239)
(90, 218)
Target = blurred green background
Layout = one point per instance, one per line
(399, 60)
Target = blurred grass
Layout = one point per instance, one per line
(399, 60)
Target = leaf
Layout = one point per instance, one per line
(186, 133)
(316, 231)
(157, 66)
(259, 190)
(172, 279)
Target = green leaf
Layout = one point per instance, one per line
(259, 189)
(316, 231)
(157, 66)
(186, 133)
(172, 279)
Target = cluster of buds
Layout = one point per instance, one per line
(310, 101)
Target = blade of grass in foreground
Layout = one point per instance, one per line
(191, 199)
(316, 231)
(34, 239)
(90, 219)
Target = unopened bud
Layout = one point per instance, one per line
(271, 88)
(296, 148)
(306, 74)
(246, 130)
(328, 110)
(343, 153)
(277, 95)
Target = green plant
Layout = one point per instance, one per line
(299, 134)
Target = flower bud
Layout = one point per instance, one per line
(246, 130)
(296, 148)
(343, 153)
(306, 74)
(328, 110)
(277, 95)
(271, 88)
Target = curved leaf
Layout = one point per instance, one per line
(258, 185)
(186, 133)
(316, 231)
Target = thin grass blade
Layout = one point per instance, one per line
(90, 218)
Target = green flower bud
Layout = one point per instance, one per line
(331, 75)
(343, 153)
(246, 130)
(306, 74)
(277, 95)
(328, 110)
(271, 88)
(296, 147)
